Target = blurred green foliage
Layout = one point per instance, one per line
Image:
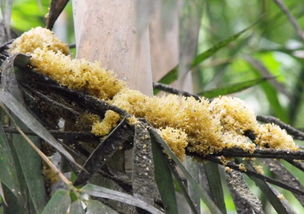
(272, 42)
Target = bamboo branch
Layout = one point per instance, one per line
(249, 172)
(57, 133)
(258, 153)
(166, 88)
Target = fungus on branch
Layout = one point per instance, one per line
(203, 126)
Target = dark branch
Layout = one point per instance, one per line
(76, 135)
(166, 88)
(258, 153)
(249, 172)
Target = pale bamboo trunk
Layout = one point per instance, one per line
(106, 31)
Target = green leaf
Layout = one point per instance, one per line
(103, 192)
(8, 171)
(271, 194)
(76, 208)
(172, 75)
(203, 193)
(96, 207)
(164, 179)
(270, 92)
(215, 184)
(237, 87)
(184, 191)
(59, 203)
(30, 167)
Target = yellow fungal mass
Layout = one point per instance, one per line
(200, 126)
(39, 38)
(176, 139)
(106, 125)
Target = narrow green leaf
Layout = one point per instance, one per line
(76, 208)
(270, 92)
(164, 179)
(203, 193)
(103, 192)
(8, 171)
(96, 207)
(184, 191)
(237, 87)
(215, 184)
(172, 75)
(30, 167)
(271, 194)
(59, 203)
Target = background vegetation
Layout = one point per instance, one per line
(271, 48)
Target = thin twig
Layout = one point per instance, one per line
(291, 18)
(40, 153)
(297, 134)
(166, 88)
(249, 172)
(57, 133)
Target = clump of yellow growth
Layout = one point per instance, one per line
(176, 139)
(233, 114)
(200, 125)
(76, 73)
(272, 136)
(39, 38)
(106, 125)
(242, 167)
(259, 169)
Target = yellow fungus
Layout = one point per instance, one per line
(176, 139)
(200, 125)
(106, 125)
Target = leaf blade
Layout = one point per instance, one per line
(103, 192)
(59, 203)
(163, 178)
(233, 88)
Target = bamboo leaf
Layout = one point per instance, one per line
(8, 171)
(269, 90)
(278, 203)
(76, 208)
(171, 76)
(96, 207)
(102, 192)
(30, 167)
(215, 184)
(237, 87)
(203, 193)
(184, 190)
(285, 176)
(163, 178)
(59, 203)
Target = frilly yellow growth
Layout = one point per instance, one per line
(200, 125)
(39, 38)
